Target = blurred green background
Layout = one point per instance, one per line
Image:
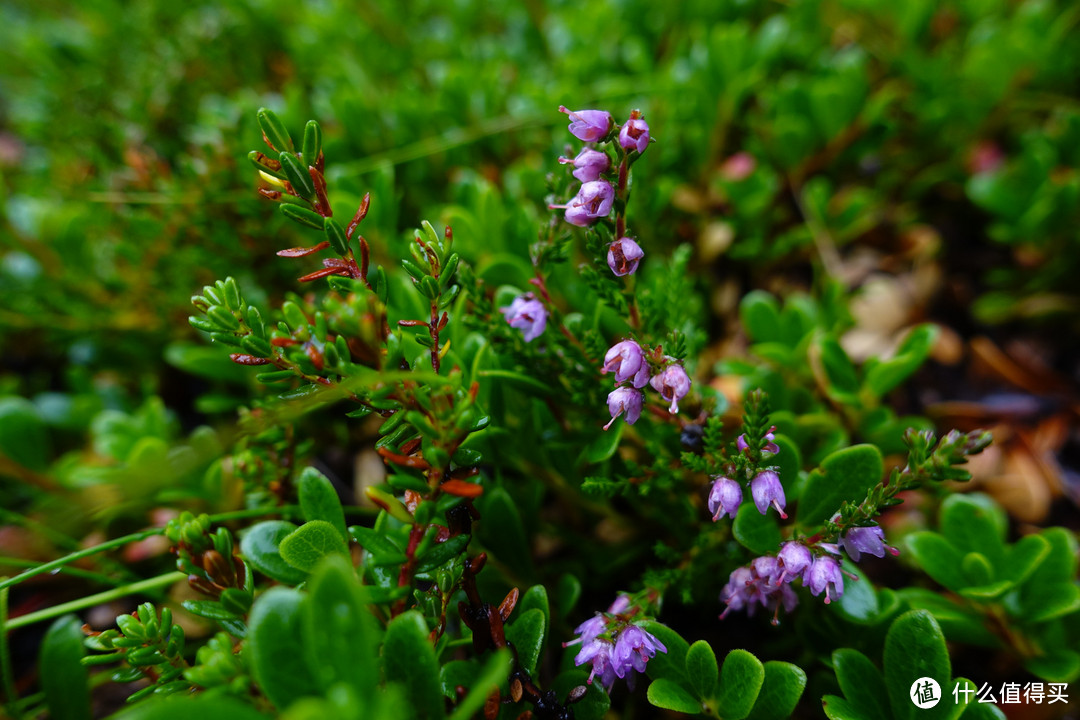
(944, 132)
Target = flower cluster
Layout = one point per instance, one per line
(633, 371)
(602, 181)
(726, 495)
(767, 580)
(615, 647)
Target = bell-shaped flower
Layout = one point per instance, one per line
(673, 384)
(527, 314)
(589, 164)
(634, 134)
(625, 360)
(767, 490)
(624, 400)
(725, 498)
(589, 125)
(623, 256)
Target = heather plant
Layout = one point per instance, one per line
(624, 429)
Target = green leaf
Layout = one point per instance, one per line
(381, 549)
(976, 569)
(441, 553)
(64, 680)
(741, 678)
(503, 531)
(958, 623)
(760, 315)
(340, 634)
(274, 129)
(210, 609)
(780, 693)
(186, 707)
(911, 354)
(915, 648)
(594, 705)
(409, 659)
(23, 436)
(937, 557)
(1024, 557)
(672, 664)
(604, 445)
(278, 661)
(702, 669)
(975, 523)
(837, 708)
(309, 543)
(971, 708)
(536, 598)
(319, 500)
(842, 379)
(844, 475)
(527, 635)
(1059, 666)
(859, 603)
(1050, 590)
(260, 545)
(756, 532)
(494, 673)
(567, 594)
(861, 683)
(668, 694)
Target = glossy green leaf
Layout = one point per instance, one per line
(837, 708)
(310, 543)
(64, 680)
(536, 598)
(441, 553)
(780, 692)
(861, 682)
(340, 635)
(937, 557)
(976, 569)
(741, 678)
(493, 674)
(274, 129)
(409, 659)
(702, 669)
(1024, 557)
(526, 633)
(914, 649)
(756, 532)
(381, 549)
(458, 673)
(503, 530)
(668, 694)
(604, 445)
(319, 500)
(975, 523)
(594, 705)
(1059, 666)
(958, 623)
(260, 546)
(859, 603)
(844, 475)
(672, 664)
(274, 647)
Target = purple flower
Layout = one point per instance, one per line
(859, 540)
(770, 446)
(795, 559)
(598, 652)
(767, 490)
(589, 630)
(623, 256)
(767, 568)
(736, 593)
(672, 383)
(625, 360)
(527, 314)
(624, 400)
(588, 165)
(620, 605)
(725, 498)
(589, 125)
(751, 586)
(634, 135)
(592, 202)
(825, 572)
(633, 648)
